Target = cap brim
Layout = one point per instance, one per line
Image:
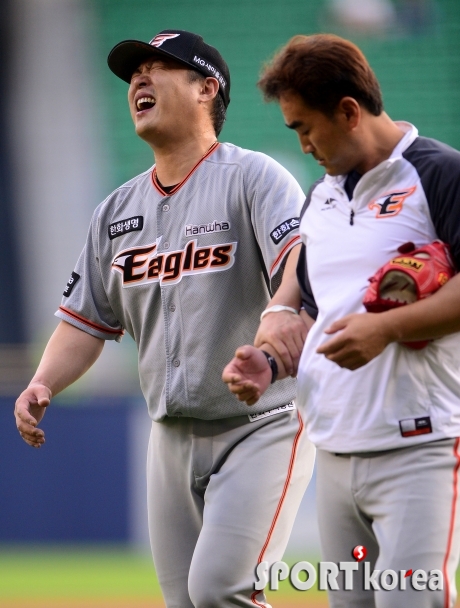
(127, 56)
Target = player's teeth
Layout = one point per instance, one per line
(145, 100)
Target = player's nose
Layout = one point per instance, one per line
(138, 81)
(307, 147)
(141, 77)
(141, 80)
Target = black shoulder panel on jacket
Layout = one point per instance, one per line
(438, 166)
(308, 198)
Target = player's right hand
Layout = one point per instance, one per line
(286, 333)
(29, 410)
(248, 374)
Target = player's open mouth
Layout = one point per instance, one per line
(145, 103)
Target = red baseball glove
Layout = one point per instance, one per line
(412, 276)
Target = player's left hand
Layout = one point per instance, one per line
(248, 374)
(286, 333)
(360, 339)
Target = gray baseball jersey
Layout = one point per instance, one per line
(187, 274)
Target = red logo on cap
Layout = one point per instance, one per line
(160, 38)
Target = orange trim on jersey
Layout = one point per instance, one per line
(90, 323)
(283, 253)
(156, 183)
(452, 524)
(285, 489)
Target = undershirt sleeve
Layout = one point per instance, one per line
(308, 299)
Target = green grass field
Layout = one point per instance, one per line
(98, 577)
(71, 577)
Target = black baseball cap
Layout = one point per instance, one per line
(185, 47)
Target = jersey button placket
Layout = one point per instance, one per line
(163, 226)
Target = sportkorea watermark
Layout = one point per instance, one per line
(304, 576)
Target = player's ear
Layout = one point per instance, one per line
(209, 88)
(349, 111)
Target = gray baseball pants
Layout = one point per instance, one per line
(222, 497)
(403, 506)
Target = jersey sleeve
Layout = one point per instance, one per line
(438, 166)
(85, 304)
(275, 198)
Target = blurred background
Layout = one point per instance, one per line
(72, 515)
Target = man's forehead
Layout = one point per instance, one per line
(161, 59)
(293, 104)
(293, 99)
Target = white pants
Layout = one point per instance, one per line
(223, 496)
(403, 506)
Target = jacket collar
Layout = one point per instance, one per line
(410, 134)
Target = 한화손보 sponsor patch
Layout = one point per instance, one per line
(278, 234)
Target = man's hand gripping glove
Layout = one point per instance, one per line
(412, 276)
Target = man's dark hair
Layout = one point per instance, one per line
(218, 111)
(322, 69)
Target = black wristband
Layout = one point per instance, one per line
(273, 366)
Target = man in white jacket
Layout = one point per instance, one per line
(385, 417)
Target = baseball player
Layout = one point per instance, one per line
(385, 416)
(183, 257)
